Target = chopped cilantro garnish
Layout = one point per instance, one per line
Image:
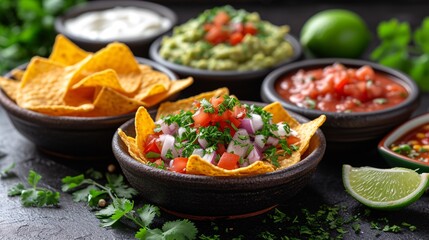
(208, 107)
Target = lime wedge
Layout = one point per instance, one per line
(387, 189)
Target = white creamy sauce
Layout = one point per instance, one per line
(118, 23)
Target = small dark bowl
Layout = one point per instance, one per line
(204, 197)
(69, 137)
(397, 160)
(244, 84)
(139, 46)
(348, 127)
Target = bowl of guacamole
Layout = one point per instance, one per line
(224, 46)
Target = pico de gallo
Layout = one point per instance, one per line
(337, 88)
(223, 132)
(414, 144)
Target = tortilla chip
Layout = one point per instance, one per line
(10, 87)
(115, 56)
(186, 104)
(112, 103)
(63, 110)
(104, 78)
(144, 127)
(132, 146)
(175, 87)
(17, 74)
(307, 130)
(43, 84)
(153, 83)
(280, 114)
(66, 52)
(198, 166)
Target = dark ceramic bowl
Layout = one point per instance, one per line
(343, 127)
(204, 197)
(69, 137)
(243, 84)
(139, 45)
(397, 160)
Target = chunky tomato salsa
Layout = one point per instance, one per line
(221, 131)
(337, 88)
(414, 144)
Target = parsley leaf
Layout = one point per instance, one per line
(34, 196)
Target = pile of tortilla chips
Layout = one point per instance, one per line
(144, 126)
(72, 82)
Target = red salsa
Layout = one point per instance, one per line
(414, 144)
(337, 88)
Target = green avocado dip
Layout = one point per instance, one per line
(224, 38)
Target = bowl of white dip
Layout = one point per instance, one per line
(93, 25)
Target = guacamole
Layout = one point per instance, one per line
(224, 38)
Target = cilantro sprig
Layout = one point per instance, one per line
(121, 206)
(34, 196)
(402, 49)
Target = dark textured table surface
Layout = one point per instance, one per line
(76, 221)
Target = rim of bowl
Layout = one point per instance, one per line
(90, 122)
(400, 131)
(243, 182)
(107, 4)
(219, 75)
(268, 91)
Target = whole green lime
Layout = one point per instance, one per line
(335, 33)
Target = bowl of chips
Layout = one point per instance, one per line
(93, 25)
(71, 103)
(202, 189)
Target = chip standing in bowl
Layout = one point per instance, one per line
(118, 23)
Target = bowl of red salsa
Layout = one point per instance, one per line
(408, 145)
(362, 100)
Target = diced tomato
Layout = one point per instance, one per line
(249, 28)
(239, 112)
(341, 79)
(201, 119)
(152, 144)
(178, 165)
(235, 38)
(228, 161)
(221, 18)
(221, 148)
(207, 26)
(292, 140)
(223, 125)
(216, 101)
(216, 35)
(365, 73)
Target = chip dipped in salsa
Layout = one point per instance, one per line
(217, 135)
(337, 88)
(414, 144)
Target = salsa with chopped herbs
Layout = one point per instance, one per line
(337, 88)
(414, 144)
(223, 132)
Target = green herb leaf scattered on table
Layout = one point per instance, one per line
(34, 196)
(405, 50)
(118, 194)
(6, 171)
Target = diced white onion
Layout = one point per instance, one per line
(240, 143)
(260, 141)
(257, 122)
(167, 145)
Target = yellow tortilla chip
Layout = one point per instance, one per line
(307, 130)
(115, 56)
(144, 127)
(153, 83)
(17, 74)
(198, 166)
(175, 87)
(280, 114)
(41, 84)
(105, 78)
(65, 52)
(186, 104)
(63, 110)
(132, 146)
(10, 87)
(111, 103)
